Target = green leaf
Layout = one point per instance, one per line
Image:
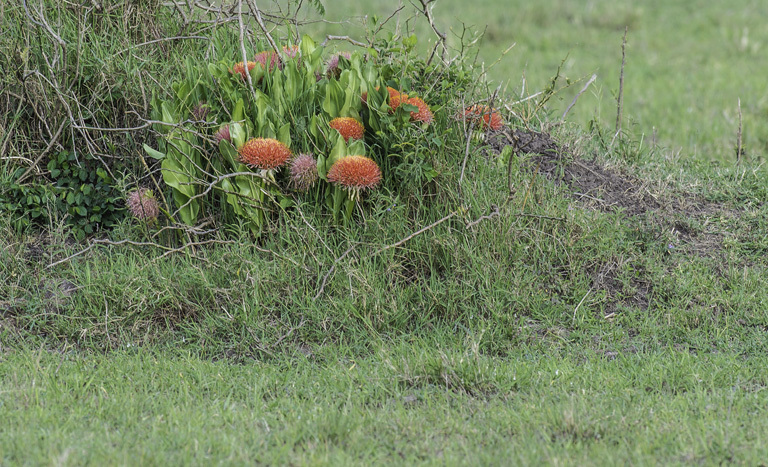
(239, 111)
(284, 134)
(410, 42)
(229, 154)
(238, 135)
(155, 154)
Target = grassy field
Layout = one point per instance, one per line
(602, 305)
(687, 62)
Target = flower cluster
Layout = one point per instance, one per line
(142, 204)
(348, 127)
(240, 68)
(484, 116)
(303, 170)
(264, 153)
(355, 174)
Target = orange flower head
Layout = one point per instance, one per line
(396, 98)
(355, 173)
(348, 127)
(240, 68)
(264, 153)
(268, 60)
(487, 117)
(424, 115)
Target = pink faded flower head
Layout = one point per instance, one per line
(303, 171)
(291, 51)
(268, 60)
(142, 204)
(223, 133)
(333, 63)
(200, 111)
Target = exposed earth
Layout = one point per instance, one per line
(682, 217)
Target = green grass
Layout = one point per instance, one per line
(407, 402)
(555, 332)
(688, 62)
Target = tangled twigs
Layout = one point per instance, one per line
(330, 271)
(379, 251)
(257, 13)
(168, 250)
(441, 37)
(44, 153)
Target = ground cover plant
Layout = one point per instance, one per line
(223, 245)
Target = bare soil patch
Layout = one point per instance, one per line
(683, 218)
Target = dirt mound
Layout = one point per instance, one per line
(683, 218)
(590, 182)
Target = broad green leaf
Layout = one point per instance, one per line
(153, 153)
(239, 111)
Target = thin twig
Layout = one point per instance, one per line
(468, 135)
(330, 271)
(163, 39)
(242, 50)
(532, 96)
(418, 232)
(620, 97)
(494, 213)
(739, 148)
(342, 38)
(591, 80)
(579, 305)
(43, 154)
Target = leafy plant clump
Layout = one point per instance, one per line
(82, 197)
(240, 142)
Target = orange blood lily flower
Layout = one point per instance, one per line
(424, 115)
(348, 127)
(355, 174)
(487, 117)
(240, 68)
(396, 98)
(264, 153)
(268, 60)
